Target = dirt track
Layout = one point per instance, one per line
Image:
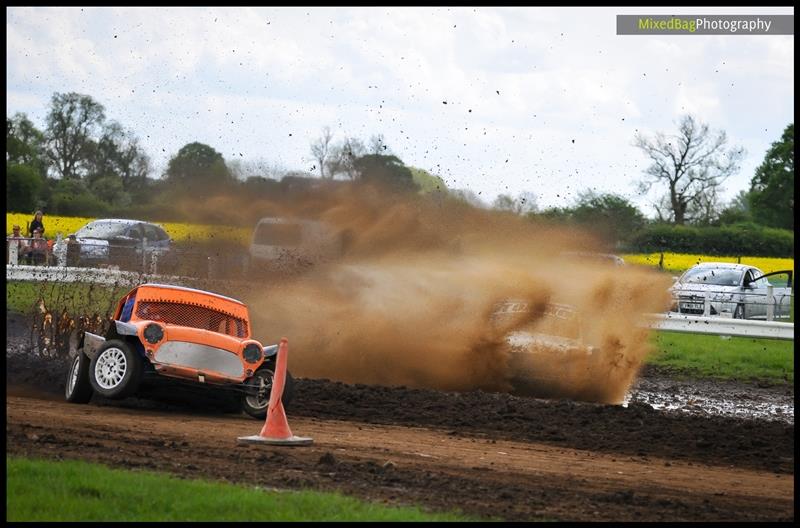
(430, 466)
(436, 467)
(487, 454)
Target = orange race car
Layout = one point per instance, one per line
(182, 334)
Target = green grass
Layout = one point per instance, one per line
(39, 490)
(77, 298)
(735, 358)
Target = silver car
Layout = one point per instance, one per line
(734, 290)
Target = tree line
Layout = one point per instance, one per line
(83, 163)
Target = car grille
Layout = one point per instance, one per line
(200, 357)
(192, 316)
(693, 304)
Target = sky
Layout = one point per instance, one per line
(495, 100)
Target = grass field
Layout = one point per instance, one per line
(39, 490)
(734, 358)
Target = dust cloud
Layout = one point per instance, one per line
(414, 300)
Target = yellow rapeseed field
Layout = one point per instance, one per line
(177, 231)
(682, 261)
(675, 262)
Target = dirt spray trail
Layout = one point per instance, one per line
(411, 303)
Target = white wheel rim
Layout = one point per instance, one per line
(73, 375)
(263, 384)
(110, 368)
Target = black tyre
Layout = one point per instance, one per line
(78, 388)
(739, 313)
(256, 399)
(116, 370)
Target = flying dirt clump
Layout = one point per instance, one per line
(412, 300)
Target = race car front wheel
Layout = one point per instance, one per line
(116, 370)
(78, 388)
(258, 390)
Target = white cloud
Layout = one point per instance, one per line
(243, 79)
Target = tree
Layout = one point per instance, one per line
(772, 186)
(321, 149)
(23, 183)
(342, 158)
(377, 145)
(705, 208)
(467, 196)
(427, 182)
(388, 171)
(111, 190)
(25, 143)
(198, 168)
(71, 197)
(690, 164)
(738, 210)
(524, 204)
(611, 215)
(117, 154)
(73, 121)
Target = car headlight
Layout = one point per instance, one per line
(153, 333)
(252, 353)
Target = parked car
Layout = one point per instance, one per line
(291, 244)
(175, 334)
(734, 290)
(112, 242)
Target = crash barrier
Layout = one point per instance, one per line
(675, 322)
(768, 305)
(142, 257)
(276, 429)
(110, 277)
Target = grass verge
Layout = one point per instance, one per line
(732, 358)
(42, 490)
(76, 298)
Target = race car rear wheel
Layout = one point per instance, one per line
(78, 388)
(116, 370)
(259, 388)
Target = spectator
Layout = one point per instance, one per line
(17, 239)
(36, 223)
(37, 252)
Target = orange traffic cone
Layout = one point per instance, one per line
(276, 428)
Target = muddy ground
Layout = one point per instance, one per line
(487, 454)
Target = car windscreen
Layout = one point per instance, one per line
(278, 234)
(715, 276)
(103, 230)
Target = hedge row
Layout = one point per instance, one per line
(732, 240)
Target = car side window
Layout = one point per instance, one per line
(162, 235)
(136, 232)
(151, 232)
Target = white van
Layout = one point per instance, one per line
(289, 243)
